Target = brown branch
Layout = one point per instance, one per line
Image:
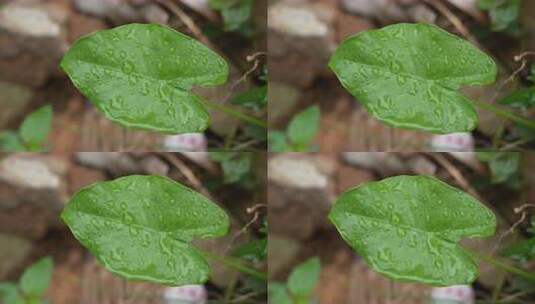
(188, 22)
(186, 171)
(457, 23)
(456, 174)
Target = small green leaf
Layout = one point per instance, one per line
(503, 13)
(408, 76)
(303, 279)
(407, 228)
(531, 76)
(255, 250)
(35, 128)
(255, 98)
(140, 227)
(303, 127)
(36, 279)
(9, 294)
(522, 98)
(10, 142)
(222, 4)
(140, 75)
(35, 301)
(235, 13)
(502, 165)
(522, 251)
(277, 142)
(277, 294)
(236, 166)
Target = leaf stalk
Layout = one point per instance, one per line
(235, 113)
(496, 263)
(506, 114)
(236, 264)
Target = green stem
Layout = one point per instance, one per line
(504, 266)
(235, 113)
(235, 264)
(506, 114)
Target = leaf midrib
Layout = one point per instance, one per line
(407, 75)
(114, 220)
(436, 234)
(170, 82)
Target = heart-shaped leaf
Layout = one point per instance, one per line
(408, 76)
(407, 227)
(139, 75)
(140, 227)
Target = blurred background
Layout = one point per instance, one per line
(302, 35)
(303, 187)
(34, 35)
(35, 187)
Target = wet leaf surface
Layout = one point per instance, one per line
(407, 228)
(408, 76)
(140, 75)
(140, 227)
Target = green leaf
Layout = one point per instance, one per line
(222, 4)
(503, 13)
(407, 228)
(408, 76)
(140, 75)
(303, 279)
(255, 250)
(235, 13)
(277, 142)
(10, 142)
(255, 98)
(236, 166)
(36, 279)
(304, 126)
(522, 98)
(531, 76)
(35, 128)
(35, 301)
(502, 165)
(140, 227)
(277, 294)
(9, 294)
(522, 251)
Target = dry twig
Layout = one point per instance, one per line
(190, 24)
(186, 171)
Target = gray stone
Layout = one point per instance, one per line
(300, 41)
(28, 20)
(382, 162)
(116, 163)
(14, 251)
(154, 165)
(282, 98)
(422, 165)
(282, 252)
(384, 10)
(296, 20)
(13, 100)
(34, 179)
(299, 187)
(123, 11)
(32, 42)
